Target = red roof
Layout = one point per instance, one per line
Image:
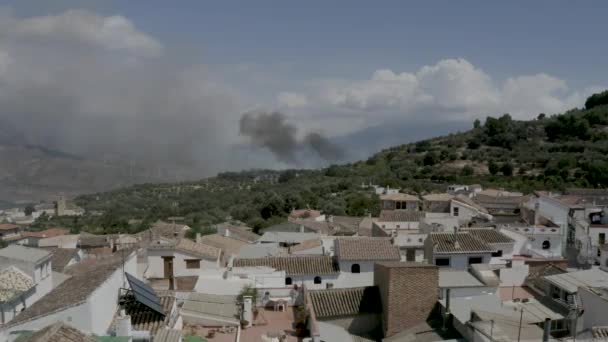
(51, 232)
(8, 226)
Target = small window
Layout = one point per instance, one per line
(455, 211)
(498, 253)
(602, 238)
(288, 281)
(355, 268)
(442, 261)
(383, 226)
(420, 240)
(193, 264)
(317, 280)
(398, 226)
(398, 205)
(475, 260)
(546, 244)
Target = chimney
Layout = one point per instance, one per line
(536, 216)
(408, 292)
(301, 228)
(248, 310)
(198, 238)
(227, 232)
(546, 329)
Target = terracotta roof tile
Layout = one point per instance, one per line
(59, 332)
(47, 233)
(366, 249)
(60, 257)
(13, 282)
(399, 197)
(346, 302)
(228, 245)
(294, 265)
(446, 243)
(8, 226)
(489, 235)
(400, 216)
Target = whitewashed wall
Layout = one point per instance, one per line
(461, 261)
(156, 268)
(349, 279)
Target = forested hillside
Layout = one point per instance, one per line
(549, 152)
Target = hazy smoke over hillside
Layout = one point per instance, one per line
(272, 131)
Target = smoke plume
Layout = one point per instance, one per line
(272, 131)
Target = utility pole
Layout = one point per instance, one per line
(521, 318)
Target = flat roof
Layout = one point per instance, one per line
(456, 278)
(571, 281)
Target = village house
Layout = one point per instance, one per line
(61, 258)
(230, 247)
(314, 272)
(16, 288)
(397, 222)
(399, 201)
(60, 241)
(437, 203)
(501, 244)
(10, 231)
(467, 210)
(241, 233)
(411, 246)
(457, 250)
(170, 258)
(465, 283)
(31, 239)
(36, 264)
(87, 300)
(540, 241)
(357, 256)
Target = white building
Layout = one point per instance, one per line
(465, 209)
(457, 250)
(537, 241)
(462, 283)
(411, 246)
(170, 258)
(357, 256)
(396, 222)
(88, 300)
(16, 289)
(35, 263)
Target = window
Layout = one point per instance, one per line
(498, 253)
(317, 280)
(398, 226)
(288, 281)
(442, 261)
(193, 264)
(398, 205)
(455, 211)
(355, 268)
(546, 244)
(602, 238)
(475, 260)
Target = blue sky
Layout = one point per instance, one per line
(339, 68)
(352, 38)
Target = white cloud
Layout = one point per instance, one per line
(451, 89)
(112, 32)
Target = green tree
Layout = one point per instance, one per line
(493, 168)
(476, 124)
(507, 169)
(467, 171)
(597, 99)
(430, 159)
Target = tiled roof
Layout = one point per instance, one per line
(294, 265)
(399, 197)
(8, 226)
(600, 332)
(168, 335)
(239, 232)
(304, 213)
(27, 254)
(145, 319)
(190, 247)
(437, 197)
(228, 245)
(304, 245)
(465, 200)
(13, 282)
(364, 248)
(59, 241)
(85, 278)
(346, 301)
(489, 235)
(60, 257)
(91, 240)
(60, 332)
(462, 242)
(51, 232)
(400, 216)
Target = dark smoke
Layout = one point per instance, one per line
(273, 132)
(325, 148)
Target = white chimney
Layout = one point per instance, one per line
(227, 232)
(248, 310)
(123, 325)
(198, 238)
(301, 228)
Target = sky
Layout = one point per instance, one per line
(170, 84)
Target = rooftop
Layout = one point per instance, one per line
(59, 332)
(228, 245)
(450, 278)
(60, 257)
(461, 242)
(262, 250)
(13, 282)
(399, 197)
(27, 254)
(467, 201)
(304, 213)
(306, 245)
(8, 226)
(346, 302)
(287, 237)
(239, 232)
(440, 197)
(85, 278)
(189, 247)
(145, 319)
(47, 233)
(400, 216)
(364, 248)
(571, 281)
(294, 265)
(489, 235)
(219, 307)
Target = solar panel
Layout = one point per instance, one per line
(144, 294)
